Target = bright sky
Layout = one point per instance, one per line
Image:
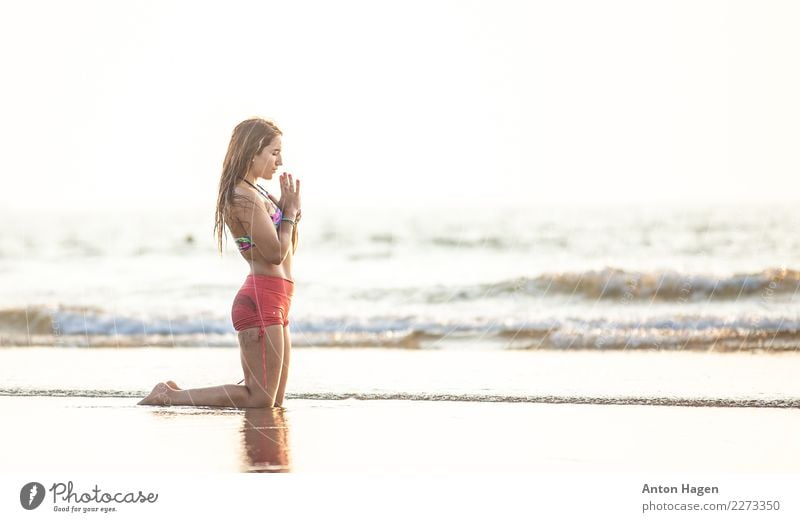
(131, 104)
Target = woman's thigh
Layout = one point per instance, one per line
(262, 360)
(287, 345)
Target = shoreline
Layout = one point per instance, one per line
(396, 436)
(497, 345)
(375, 409)
(665, 401)
(542, 376)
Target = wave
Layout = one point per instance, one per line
(712, 402)
(625, 285)
(612, 284)
(87, 320)
(92, 327)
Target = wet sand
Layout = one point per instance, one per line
(112, 434)
(406, 410)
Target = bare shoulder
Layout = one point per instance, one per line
(243, 190)
(246, 200)
(245, 195)
(242, 200)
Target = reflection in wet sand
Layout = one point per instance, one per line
(266, 440)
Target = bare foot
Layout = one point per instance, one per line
(158, 397)
(174, 386)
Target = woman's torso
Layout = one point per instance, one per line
(258, 267)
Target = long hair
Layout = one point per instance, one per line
(248, 140)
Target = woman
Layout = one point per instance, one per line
(265, 230)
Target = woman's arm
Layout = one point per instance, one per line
(296, 219)
(270, 246)
(294, 235)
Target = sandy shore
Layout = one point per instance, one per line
(401, 410)
(322, 373)
(112, 434)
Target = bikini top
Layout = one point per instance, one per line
(245, 243)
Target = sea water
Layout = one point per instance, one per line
(677, 277)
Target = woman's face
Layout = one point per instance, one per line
(267, 162)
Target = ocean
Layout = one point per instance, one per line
(566, 338)
(597, 277)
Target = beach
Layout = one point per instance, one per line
(548, 266)
(404, 410)
(593, 338)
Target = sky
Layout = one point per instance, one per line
(113, 105)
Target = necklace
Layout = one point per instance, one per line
(262, 191)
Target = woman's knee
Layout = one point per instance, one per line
(259, 398)
(262, 361)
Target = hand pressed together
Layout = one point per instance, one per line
(290, 196)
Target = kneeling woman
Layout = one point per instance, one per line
(266, 233)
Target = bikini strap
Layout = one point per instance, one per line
(264, 193)
(260, 189)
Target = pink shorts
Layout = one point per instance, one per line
(262, 301)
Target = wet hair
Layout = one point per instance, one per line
(248, 140)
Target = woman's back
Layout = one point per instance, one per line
(254, 221)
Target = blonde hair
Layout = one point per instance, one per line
(248, 140)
